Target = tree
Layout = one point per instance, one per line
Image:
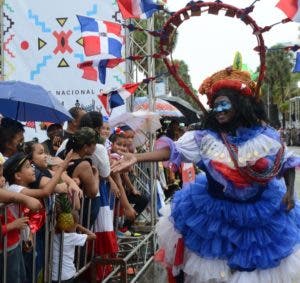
(278, 79)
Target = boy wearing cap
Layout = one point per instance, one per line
(19, 173)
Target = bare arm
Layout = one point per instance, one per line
(71, 184)
(48, 188)
(89, 178)
(289, 178)
(29, 202)
(131, 158)
(128, 185)
(114, 187)
(157, 155)
(18, 224)
(83, 230)
(129, 211)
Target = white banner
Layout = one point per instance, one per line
(43, 45)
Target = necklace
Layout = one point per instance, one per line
(248, 172)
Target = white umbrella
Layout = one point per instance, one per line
(142, 122)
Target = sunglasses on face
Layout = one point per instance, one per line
(222, 106)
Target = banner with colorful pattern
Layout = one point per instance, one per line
(43, 45)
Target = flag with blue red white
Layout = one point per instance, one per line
(117, 97)
(96, 69)
(138, 9)
(101, 37)
(291, 8)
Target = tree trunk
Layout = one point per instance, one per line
(274, 117)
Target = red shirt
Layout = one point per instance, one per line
(13, 236)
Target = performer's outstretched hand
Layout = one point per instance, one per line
(127, 160)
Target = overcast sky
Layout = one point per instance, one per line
(208, 43)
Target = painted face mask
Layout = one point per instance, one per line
(222, 106)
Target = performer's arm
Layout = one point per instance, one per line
(131, 158)
(289, 178)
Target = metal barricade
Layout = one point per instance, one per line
(3, 213)
(83, 255)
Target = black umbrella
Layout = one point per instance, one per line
(191, 114)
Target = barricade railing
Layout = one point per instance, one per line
(135, 252)
(83, 255)
(3, 239)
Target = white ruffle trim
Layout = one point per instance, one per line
(167, 235)
(200, 270)
(250, 151)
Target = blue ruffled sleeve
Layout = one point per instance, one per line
(186, 149)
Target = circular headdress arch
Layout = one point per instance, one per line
(196, 9)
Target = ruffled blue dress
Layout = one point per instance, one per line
(232, 230)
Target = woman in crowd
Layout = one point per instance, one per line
(83, 144)
(11, 137)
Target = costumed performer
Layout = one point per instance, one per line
(239, 224)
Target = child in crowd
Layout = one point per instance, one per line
(134, 196)
(11, 229)
(129, 135)
(118, 145)
(39, 159)
(12, 197)
(20, 174)
(105, 132)
(74, 235)
(45, 167)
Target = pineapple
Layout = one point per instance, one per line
(65, 220)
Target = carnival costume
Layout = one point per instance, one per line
(231, 225)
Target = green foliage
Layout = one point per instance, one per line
(279, 64)
(279, 80)
(284, 107)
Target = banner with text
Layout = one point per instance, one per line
(43, 45)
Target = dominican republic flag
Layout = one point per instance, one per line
(139, 9)
(297, 64)
(101, 37)
(117, 97)
(96, 69)
(106, 242)
(291, 8)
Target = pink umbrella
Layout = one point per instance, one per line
(162, 107)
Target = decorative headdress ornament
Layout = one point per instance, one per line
(228, 78)
(234, 79)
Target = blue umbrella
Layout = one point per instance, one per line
(27, 102)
